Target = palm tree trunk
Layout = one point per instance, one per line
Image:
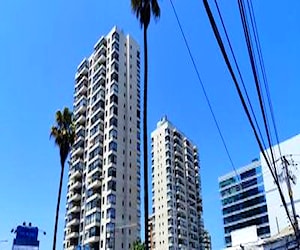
(145, 137)
(58, 203)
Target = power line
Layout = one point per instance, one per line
(262, 65)
(203, 89)
(225, 56)
(255, 74)
(239, 72)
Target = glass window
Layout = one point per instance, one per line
(113, 146)
(111, 185)
(112, 172)
(111, 199)
(113, 134)
(112, 158)
(110, 213)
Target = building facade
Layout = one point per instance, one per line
(206, 241)
(176, 198)
(103, 197)
(290, 150)
(150, 232)
(244, 201)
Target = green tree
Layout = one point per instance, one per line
(144, 9)
(63, 133)
(138, 245)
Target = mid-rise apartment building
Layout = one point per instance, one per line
(103, 197)
(176, 199)
(244, 201)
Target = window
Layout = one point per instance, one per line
(114, 99)
(114, 76)
(111, 199)
(112, 159)
(111, 185)
(112, 172)
(110, 213)
(115, 46)
(113, 110)
(115, 36)
(113, 146)
(115, 55)
(115, 66)
(114, 88)
(113, 134)
(113, 122)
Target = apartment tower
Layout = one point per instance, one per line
(176, 201)
(103, 196)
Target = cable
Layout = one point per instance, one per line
(239, 72)
(222, 48)
(257, 84)
(255, 74)
(225, 56)
(262, 65)
(203, 89)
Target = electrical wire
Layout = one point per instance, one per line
(239, 72)
(256, 77)
(263, 70)
(203, 89)
(225, 56)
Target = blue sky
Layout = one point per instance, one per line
(42, 42)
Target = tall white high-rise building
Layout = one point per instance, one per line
(176, 199)
(103, 197)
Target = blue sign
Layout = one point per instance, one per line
(26, 236)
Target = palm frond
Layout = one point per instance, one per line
(155, 9)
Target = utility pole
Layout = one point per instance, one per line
(290, 192)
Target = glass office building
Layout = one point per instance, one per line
(244, 201)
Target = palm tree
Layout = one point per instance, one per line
(64, 135)
(144, 9)
(138, 245)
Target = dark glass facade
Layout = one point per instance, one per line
(243, 201)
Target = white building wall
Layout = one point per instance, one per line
(277, 216)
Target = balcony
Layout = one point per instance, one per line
(93, 170)
(73, 222)
(102, 43)
(78, 128)
(71, 248)
(74, 209)
(100, 73)
(80, 119)
(72, 235)
(93, 210)
(82, 70)
(92, 197)
(78, 151)
(75, 173)
(95, 223)
(92, 239)
(80, 108)
(81, 88)
(74, 197)
(77, 165)
(94, 183)
(75, 185)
